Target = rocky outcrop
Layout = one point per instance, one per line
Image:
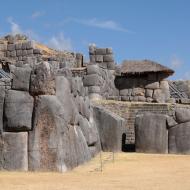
(151, 133)
(110, 127)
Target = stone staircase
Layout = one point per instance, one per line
(176, 92)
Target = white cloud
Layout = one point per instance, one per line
(37, 14)
(94, 22)
(176, 62)
(15, 28)
(59, 42)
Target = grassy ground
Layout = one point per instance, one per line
(128, 171)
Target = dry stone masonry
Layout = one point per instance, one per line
(55, 110)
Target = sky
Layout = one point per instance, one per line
(158, 30)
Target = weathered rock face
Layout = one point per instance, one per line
(53, 144)
(43, 80)
(18, 111)
(63, 93)
(179, 139)
(14, 151)
(2, 96)
(21, 78)
(110, 127)
(151, 133)
(182, 115)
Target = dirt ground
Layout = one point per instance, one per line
(128, 171)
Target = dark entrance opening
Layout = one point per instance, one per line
(127, 147)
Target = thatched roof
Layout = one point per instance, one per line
(142, 67)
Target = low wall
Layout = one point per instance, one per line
(129, 110)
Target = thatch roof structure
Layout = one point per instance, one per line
(130, 67)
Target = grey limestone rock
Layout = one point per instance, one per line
(43, 80)
(21, 78)
(108, 58)
(99, 58)
(55, 145)
(171, 122)
(94, 89)
(14, 151)
(18, 111)
(182, 114)
(179, 139)
(91, 80)
(149, 93)
(100, 51)
(110, 127)
(154, 85)
(92, 69)
(2, 97)
(151, 134)
(63, 93)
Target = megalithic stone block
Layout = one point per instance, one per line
(14, 151)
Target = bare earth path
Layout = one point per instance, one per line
(129, 171)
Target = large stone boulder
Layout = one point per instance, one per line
(110, 127)
(92, 80)
(151, 134)
(14, 151)
(89, 131)
(43, 80)
(182, 114)
(63, 93)
(21, 78)
(18, 111)
(2, 96)
(54, 145)
(179, 139)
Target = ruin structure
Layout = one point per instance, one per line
(58, 111)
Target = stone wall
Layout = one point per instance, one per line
(46, 120)
(23, 51)
(157, 133)
(128, 111)
(100, 74)
(103, 83)
(143, 88)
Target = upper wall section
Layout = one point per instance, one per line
(100, 74)
(20, 50)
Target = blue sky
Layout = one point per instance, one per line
(136, 29)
